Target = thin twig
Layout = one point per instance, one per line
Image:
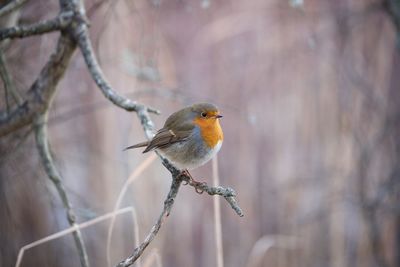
(85, 45)
(168, 203)
(41, 96)
(139, 170)
(228, 193)
(177, 179)
(56, 24)
(43, 147)
(11, 6)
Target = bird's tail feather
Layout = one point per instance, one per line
(137, 145)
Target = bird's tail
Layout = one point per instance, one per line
(137, 145)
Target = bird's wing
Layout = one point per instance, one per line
(146, 143)
(166, 137)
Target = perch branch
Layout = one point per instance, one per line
(11, 6)
(228, 193)
(168, 203)
(177, 179)
(56, 24)
(43, 147)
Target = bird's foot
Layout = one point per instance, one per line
(198, 186)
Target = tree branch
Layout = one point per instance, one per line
(35, 109)
(11, 6)
(82, 38)
(168, 203)
(177, 179)
(228, 193)
(42, 90)
(56, 24)
(43, 147)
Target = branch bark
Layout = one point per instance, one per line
(177, 179)
(56, 24)
(168, 203)
(73, 26)
(11, 6)
(82, 38)
(42, 90)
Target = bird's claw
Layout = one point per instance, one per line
(188, 179)
(198, 187)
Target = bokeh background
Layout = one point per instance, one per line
(309, 91)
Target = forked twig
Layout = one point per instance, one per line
(56, 24)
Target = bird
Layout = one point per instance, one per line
(189, 138)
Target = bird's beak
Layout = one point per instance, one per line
(218, 116)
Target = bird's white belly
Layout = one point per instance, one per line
(181, 160)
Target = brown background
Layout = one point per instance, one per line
(310, 101)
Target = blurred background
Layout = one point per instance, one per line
(309, 90)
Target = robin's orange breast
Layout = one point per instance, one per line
(210, 131)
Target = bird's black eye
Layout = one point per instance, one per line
(204, 114)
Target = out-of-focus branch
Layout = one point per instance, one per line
(9, 86)
(42, 90)
(43, 147)
(11, 6)
(392, 8)
(82, 38)
(56, 24)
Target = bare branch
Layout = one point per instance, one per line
(11, 6)
(35, 109)
(42, 90)
(43, 146)
(56, 24)
(228, 193)
(84, 43)
(177, 179)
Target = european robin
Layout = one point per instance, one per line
(190, 137)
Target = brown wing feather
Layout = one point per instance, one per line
(166, 137)
(143, 144)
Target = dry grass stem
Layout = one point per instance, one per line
(262, 246)
(217, 217)
(154, 257)
(138, 171)
(68, 231)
